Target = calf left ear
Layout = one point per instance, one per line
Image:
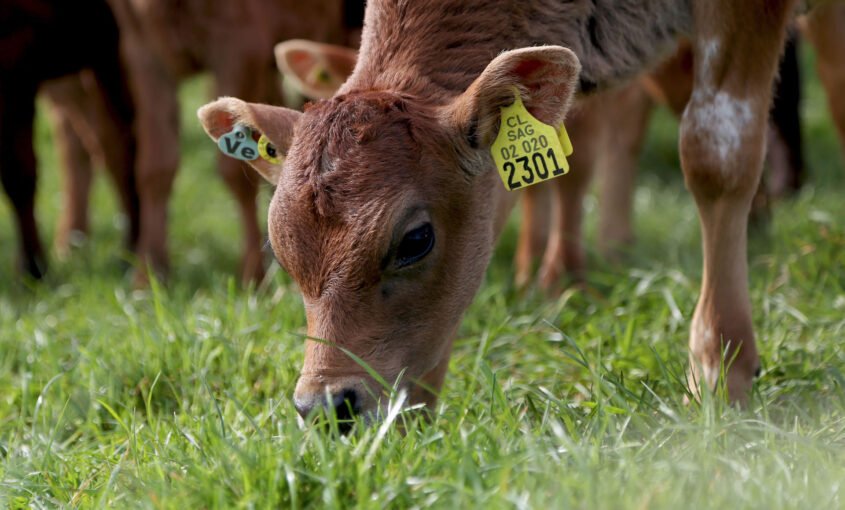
(545, 76)
(276, 124)
(317, 70)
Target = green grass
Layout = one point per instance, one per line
(179, 397)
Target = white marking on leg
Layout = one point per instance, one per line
(723, 117)
(715, 113)
(708, 50)
(702, 342)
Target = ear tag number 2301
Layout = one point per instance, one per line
(526, 151)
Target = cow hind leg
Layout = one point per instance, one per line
(625, 126)
(157, 160)
(533, 231)
(722, 143)
(111, 117)
(245, 190)
(252, 79)
(77, 175)
(785, 156)
(565, 255)
(18, 173)
(825, 29)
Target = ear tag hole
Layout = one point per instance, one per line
(268, 151)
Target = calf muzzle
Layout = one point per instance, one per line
(344, 403)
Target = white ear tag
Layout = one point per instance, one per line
(238, 144)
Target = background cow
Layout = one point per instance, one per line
(42, 40)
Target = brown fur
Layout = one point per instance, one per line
(83, 134)
(164, 42)
(43, 40)
(438, 61)
(824, 28)
(612, 140)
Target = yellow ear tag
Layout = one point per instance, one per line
(319, 75)
(268, 151)
(565, 144)
(526, 151)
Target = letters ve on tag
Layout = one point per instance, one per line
(238, 144)
(527, 151)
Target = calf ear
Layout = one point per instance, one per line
(317, 70)
(545, 76)
(275, 123)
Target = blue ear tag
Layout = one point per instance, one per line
(238, 144)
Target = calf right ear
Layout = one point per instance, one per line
(546, 78)
(275, 123)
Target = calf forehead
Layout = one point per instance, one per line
(353, 164)
(348, 150)
(325, 236)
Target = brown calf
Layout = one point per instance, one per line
(42, 40)
(387, 206)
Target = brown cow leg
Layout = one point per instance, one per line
(533, 231)
(565, 249)
(625, 124)
(824, 29)
(112, 116)
(785, 155)
(77, 175)
(722, 163)
(157, 160)
(18, 171)
(92, 123)
(245, 189)
(251, 80)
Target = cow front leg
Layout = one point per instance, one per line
(722, 146)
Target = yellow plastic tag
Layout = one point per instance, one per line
(565, 144)
(526, 151)
(267, 151)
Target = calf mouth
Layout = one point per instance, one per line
(343, 402)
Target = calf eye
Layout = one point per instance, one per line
(415, 245)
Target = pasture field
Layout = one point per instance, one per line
(179, 396)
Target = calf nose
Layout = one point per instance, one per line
(344, 403)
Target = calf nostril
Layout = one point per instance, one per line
(345, 404)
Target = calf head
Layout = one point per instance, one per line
(384, 214)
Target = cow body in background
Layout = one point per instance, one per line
(41, 40)
(168, 41)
